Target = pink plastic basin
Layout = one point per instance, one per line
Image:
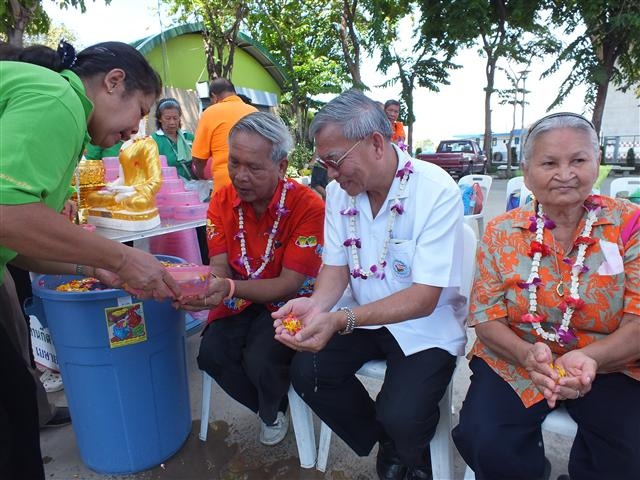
(111, 162)
(179, 198)
(190, 212)
(111, 173)
(165, 211)
(193, 280)
(169, 173)
(171, 185)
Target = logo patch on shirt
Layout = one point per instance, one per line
(307, 242)
(400, 269)
(210, 229)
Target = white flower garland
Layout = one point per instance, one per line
(562, 334)
(280, 212)
(354, 242)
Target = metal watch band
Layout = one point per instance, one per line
(351, 321)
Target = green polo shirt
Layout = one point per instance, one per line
(43, 130)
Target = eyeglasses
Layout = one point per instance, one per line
(335, 164)
(557, 115)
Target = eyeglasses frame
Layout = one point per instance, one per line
(337, 163)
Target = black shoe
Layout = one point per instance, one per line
(388, 464)
(564, 476)
(59, 419)
(419, 473)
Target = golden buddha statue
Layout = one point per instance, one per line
(129, 202)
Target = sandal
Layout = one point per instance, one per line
(51, 381)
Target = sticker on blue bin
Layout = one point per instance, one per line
(126, 325)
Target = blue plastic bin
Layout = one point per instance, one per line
(130, 404)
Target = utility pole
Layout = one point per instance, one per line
(523, 75)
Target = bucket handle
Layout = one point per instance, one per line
(34, 306)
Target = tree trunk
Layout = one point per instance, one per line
(350, 43)
(21, 17)
(490, 72)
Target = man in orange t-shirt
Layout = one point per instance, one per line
(392, 110)
(213, 130)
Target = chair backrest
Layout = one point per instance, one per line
(517, 184)
(468, 259)
(483, 180)
(629, 185)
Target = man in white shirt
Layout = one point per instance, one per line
(393, 235)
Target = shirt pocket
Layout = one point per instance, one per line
(612, 263)
(400, 258)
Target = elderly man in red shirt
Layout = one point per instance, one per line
(265, 235)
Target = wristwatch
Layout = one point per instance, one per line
(351, 321)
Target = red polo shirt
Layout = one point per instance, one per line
(297, 244)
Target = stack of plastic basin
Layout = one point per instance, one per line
(175, 203)
(130, 403)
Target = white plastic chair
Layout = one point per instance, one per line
(485, 183)
(441, 448)
(517, 184)
(627, 184)
(301, 418)
(558, 421)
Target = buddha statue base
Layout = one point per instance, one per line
(124, 219)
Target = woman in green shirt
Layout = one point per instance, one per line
(173, 142)
(51, 105)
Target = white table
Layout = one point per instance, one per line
(167, 226)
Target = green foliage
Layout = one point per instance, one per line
(299, 158)
(52, 38)
(605, 48)
(303, 37)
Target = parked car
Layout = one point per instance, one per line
(458, 157)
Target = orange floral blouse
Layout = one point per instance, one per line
(607, 289)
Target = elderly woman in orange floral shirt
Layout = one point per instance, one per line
(556, 309)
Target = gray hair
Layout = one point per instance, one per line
(560, 120)
(356, 114)
(269, 127)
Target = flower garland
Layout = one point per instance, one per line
(354, 242)
(563, 334)
(280, 212)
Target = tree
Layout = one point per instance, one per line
(502, 33)
(222, 20)
(426, 63)
(18, 17)
(52, 38)
(607, 51)
(501, 26)
(303, 37)
(350, 40)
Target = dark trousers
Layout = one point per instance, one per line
(20, 456)
(242, 355)
(500, 438)
(406, 408)
(16, 327)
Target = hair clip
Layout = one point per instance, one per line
(67, 54)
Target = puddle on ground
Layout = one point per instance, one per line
(220, 459)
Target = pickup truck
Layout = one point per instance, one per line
(458, 157)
